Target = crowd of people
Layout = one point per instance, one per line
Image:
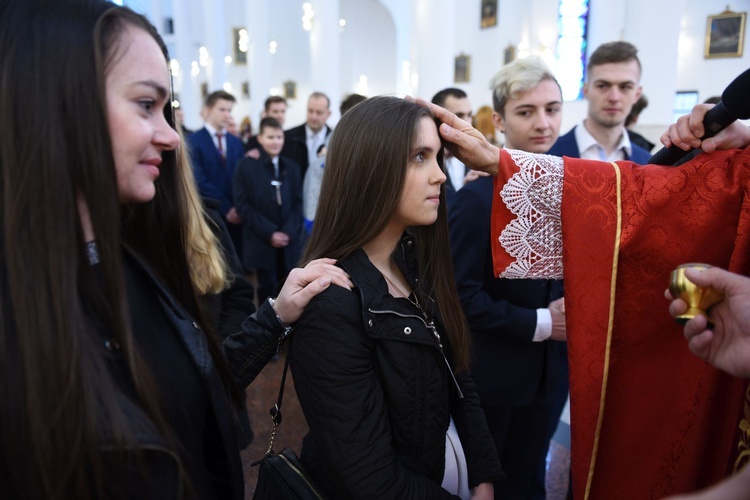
(449, 307)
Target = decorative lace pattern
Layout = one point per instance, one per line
(534, 195)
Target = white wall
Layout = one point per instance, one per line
(428, 34)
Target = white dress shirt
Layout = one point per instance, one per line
(314, 141)
(592, 150)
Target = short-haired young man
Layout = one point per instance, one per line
(268, 195)
(214, 154)
(612, 87)
(274, 107)
(517, 326)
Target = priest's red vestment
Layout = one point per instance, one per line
(648, 418)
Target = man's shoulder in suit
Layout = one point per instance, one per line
(296, 132)
(565, 145)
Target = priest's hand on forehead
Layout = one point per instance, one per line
(464, 141)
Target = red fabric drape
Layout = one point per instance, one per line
(648, 418)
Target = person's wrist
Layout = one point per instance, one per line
(272, 303)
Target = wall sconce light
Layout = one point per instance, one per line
(203, 56)
(243, 40)
(362, 87)
(307, 17)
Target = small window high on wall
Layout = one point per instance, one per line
(572, 23)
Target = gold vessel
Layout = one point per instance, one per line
(698, 298)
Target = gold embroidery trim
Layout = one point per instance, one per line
(605, 377)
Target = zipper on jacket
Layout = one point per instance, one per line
(430, 326)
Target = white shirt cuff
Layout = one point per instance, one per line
(543, 328)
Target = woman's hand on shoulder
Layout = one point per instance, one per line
(303, 284)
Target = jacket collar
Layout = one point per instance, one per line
(196, 345)
(372, 286)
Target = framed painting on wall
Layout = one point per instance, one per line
(489, 14)
(290, 89)
(462, 69)
(510, 54)
(725, 34)
(240, 42)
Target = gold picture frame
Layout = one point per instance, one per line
(462, 69)
(240, 44)
(488, 14)
(290, 89)
(725, 35)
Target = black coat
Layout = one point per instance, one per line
(509, 368)
(295, 146)
(377, 394)
(255, 199)
(247, 351)
(228, 309)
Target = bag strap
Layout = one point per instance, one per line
(276, 409)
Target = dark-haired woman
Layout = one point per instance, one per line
(382, 371)
(112, 385)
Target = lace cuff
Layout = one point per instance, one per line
(534, 196)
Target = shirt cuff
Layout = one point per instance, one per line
(543, 328)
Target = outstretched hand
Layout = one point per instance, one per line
(464, 141)
(687, 132)
(303, 284)
(727, 346)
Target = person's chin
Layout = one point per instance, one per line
(538, 147)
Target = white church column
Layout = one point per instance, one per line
(259, 59)
(657, 38)
(189, 92)
(325, 52)
(434, 46)
(217, 35)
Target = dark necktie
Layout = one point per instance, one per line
(223, 156)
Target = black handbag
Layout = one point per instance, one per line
(281, 476)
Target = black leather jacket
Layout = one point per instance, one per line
(247, 351)
(378, 395)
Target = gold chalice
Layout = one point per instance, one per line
(697, 298)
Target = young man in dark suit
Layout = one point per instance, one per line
(517, 326)
(268, 195)
(302, 143)
(214, 154)
(612, 88)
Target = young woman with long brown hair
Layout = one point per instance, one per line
(382, 372)
(112, 384)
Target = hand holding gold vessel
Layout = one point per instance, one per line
(698, 298)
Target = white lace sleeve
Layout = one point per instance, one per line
(534, 196)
